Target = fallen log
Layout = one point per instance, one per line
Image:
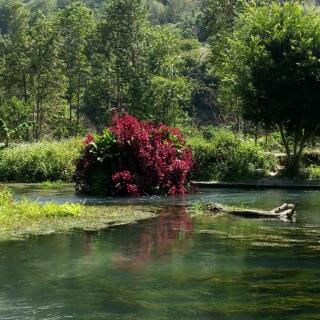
(285, 211)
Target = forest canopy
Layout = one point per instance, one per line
(67, 64)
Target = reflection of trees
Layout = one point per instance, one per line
(160, 237)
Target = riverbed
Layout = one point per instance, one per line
(170, 267)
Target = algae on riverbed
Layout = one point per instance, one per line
(19, 219)
(92, 218)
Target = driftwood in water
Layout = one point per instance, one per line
(286, 211)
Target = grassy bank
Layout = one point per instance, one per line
(20, 219)
(42, 161)
(220, 155)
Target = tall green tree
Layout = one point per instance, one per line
(272, 66)
(47, 81)
(121, 33)
(169, 98)
(14, 46)
(219, 16)
(167, 92)
(76, 25)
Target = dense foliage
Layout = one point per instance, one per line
(66, 64)
(133, 157)
(272, 64)
(313, 173)
(251, 66)
(40, 161)
(222, 156)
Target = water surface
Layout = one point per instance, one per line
(172, 267)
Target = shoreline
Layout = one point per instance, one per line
(267, 183)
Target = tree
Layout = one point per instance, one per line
(219, 16)
(76, 25)
(126, 64)
(99, 96)
(14, 47)
(196, 67)
(156, 11)
(14, 120)
(47, 81)
(272, 65)
(121, 33)
(168, 98)
(46, 6)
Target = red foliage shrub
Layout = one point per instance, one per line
(89, 138)
(134, 158)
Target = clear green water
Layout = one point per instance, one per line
(173, 267)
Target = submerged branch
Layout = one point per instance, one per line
(285, 211)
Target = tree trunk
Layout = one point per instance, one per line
(37, 119)
(78, 104)
(285, 211)
(33, 120)
(293, 157)
(25, 94)
(40, 119)
(70, 107)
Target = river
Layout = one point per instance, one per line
(171, 267)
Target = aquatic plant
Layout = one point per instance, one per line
(23, 218)
(12, 210)
(133, 157)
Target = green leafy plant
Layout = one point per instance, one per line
(313, 173)
(226, 157)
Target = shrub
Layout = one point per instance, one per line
(41, 161)
(311, 158)
(226, 157)
(134, 158)
(271, 143)
(313, 173)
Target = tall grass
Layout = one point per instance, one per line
(42, 161)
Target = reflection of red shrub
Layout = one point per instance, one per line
(169, 233)
(134, 158)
